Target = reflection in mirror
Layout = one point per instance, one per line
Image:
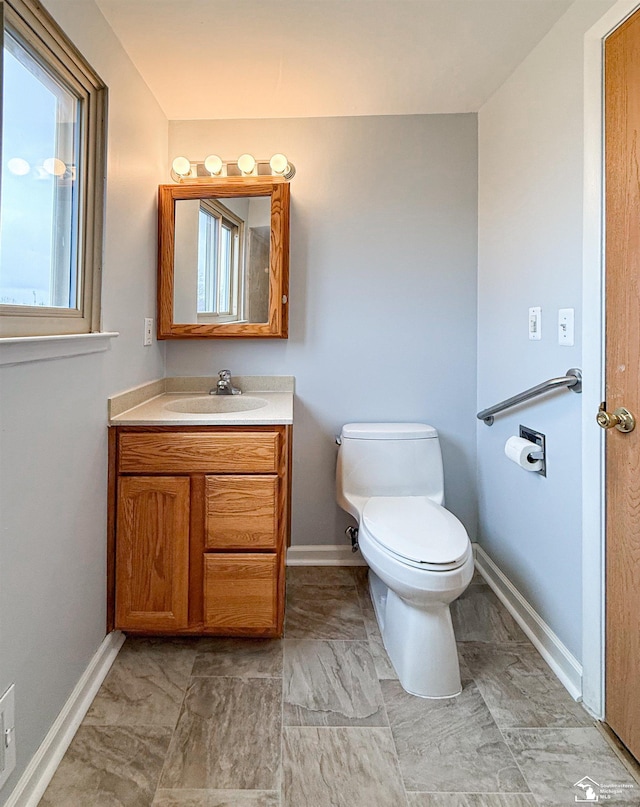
(221, 260)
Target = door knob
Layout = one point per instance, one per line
(621, 418)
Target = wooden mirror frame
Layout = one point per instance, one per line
(278, 323)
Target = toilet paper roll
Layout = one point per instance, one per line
(518, 450)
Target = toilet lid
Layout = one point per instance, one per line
(416, 528)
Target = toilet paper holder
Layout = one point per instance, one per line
(539, 439)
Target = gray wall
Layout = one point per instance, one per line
(53, 429)
(383, 290)
(530, 254)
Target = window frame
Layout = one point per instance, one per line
(36, 30)
(226, 218)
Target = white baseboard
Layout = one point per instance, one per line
(563, 663)
(39, 772)
(324, 555)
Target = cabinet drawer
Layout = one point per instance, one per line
(194, 452)
(240, 591)
(241, 512)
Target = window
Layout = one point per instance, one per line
(220, 243)
(51, 179)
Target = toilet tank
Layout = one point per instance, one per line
(388, 459)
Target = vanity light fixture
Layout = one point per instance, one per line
(181, 167)
(247, 164)
(213, 164)
(214, 167)
(281, 166)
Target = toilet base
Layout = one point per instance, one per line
(419, 641)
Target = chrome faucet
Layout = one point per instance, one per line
(224, 385)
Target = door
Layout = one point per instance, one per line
(622, 204)
(152, 553)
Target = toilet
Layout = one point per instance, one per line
(390, 478)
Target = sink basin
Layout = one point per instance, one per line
(215, 404)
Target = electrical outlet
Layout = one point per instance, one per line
(148, 331)
(7, 734)
(535, 323)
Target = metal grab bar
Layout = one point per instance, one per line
(572, 380)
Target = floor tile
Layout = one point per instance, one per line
(361, 578)
(321, 575)
(109, 766)
(228, 736)
(381, 660)
(240, 658)
(368, 611)
(384, 667)
(479, 616)
(477, 579)
(360, 573)
(216, 798)
(323, 612)
(553, 760)
(343, 709)
(450, 745)
(471, 800)
(146, 684)
(331, 684)
(519, 688)
(341, 767)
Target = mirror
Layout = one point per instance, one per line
(223, 258)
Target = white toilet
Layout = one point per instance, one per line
(390, 478)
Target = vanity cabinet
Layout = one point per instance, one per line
(198, 529)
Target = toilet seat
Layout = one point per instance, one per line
(417, 531)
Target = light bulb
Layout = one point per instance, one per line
(54, 166)
(181, 166)
(246, 163)
(213, 164)
(279, 164)
(18, 166)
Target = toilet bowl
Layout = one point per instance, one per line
(390, 479)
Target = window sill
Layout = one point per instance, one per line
(22, 349)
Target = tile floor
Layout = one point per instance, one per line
(318, 719)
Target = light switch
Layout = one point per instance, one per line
(148, 331)
(7, 734)
(535, 323)
(565, 327)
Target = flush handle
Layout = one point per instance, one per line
(621, 418)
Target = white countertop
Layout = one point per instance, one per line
(155, 411)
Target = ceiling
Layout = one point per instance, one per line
(207, 59)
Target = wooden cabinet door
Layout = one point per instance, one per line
(241, 592)
(241, 512)
(152, 552)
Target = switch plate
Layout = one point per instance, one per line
(535, 323)
(565, 326)
(148, 331)
(7, 734)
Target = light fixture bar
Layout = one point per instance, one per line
(183, 169)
